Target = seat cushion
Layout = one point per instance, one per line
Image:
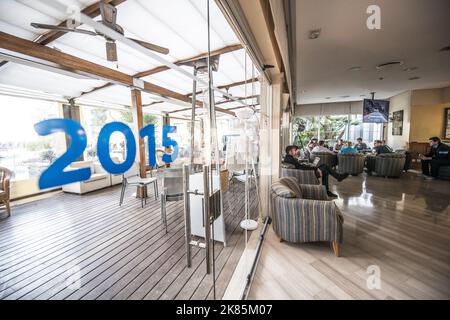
(83, 164)
(282, 190)
(97, 176)
(292, 183)
(135, 180)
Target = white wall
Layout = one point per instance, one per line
(326, 109)
(400, 102)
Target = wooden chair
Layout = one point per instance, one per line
(5, 177)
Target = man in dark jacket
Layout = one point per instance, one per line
(321, 171)
(381, 147)
(438, 156)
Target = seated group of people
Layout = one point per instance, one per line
(342, 147)
(432, 161)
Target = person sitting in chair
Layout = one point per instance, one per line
(348, 149)
(338, 146)
(380, 147)
(321, 148)
(438, 156)
(321, 171)
(312, 143)
(360, 145)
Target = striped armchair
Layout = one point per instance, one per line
(302, 176)
(303, 213)
(390, 164)
(327, 158)
(351, 163)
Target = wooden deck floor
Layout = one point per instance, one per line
(87, 247)
(401, 226)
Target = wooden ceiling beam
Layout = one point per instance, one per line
(84, 67)
(231, 85)
(159, 69)
(219, 103)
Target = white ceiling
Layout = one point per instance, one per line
(412, 31)
(179, 25)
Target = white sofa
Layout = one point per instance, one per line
(99, 178)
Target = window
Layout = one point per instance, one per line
(93, 120)
(22, 150)
(333, 127)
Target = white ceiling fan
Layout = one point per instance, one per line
(109, 18)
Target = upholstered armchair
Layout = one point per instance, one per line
(303, 213)
(351, 163)
(5, 177)
(302, 176)
(327, 158)
(390, 164)
(444, 173)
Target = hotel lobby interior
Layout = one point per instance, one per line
(224, 150)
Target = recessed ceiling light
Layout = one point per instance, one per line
(314, 34)
(414, 78)
(410, 69)
(356, 68)
(387, 65)
(447, 48)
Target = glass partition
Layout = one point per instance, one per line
(194, 230)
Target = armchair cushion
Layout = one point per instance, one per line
(82, 164)
(97, 176)
(282, 190)
(292, 183)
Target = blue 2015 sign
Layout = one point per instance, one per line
(55, 175)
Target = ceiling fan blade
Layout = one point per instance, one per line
(111, 51)
(60, 28)
(108, 13)
(151, 46)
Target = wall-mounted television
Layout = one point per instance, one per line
(375, 111)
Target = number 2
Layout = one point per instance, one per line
(55, 175)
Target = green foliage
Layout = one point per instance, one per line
(331, 128)
(99, 116)
(127, 117)
(38, 145)
(91, 152)
(150, 119)
(48, 155)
